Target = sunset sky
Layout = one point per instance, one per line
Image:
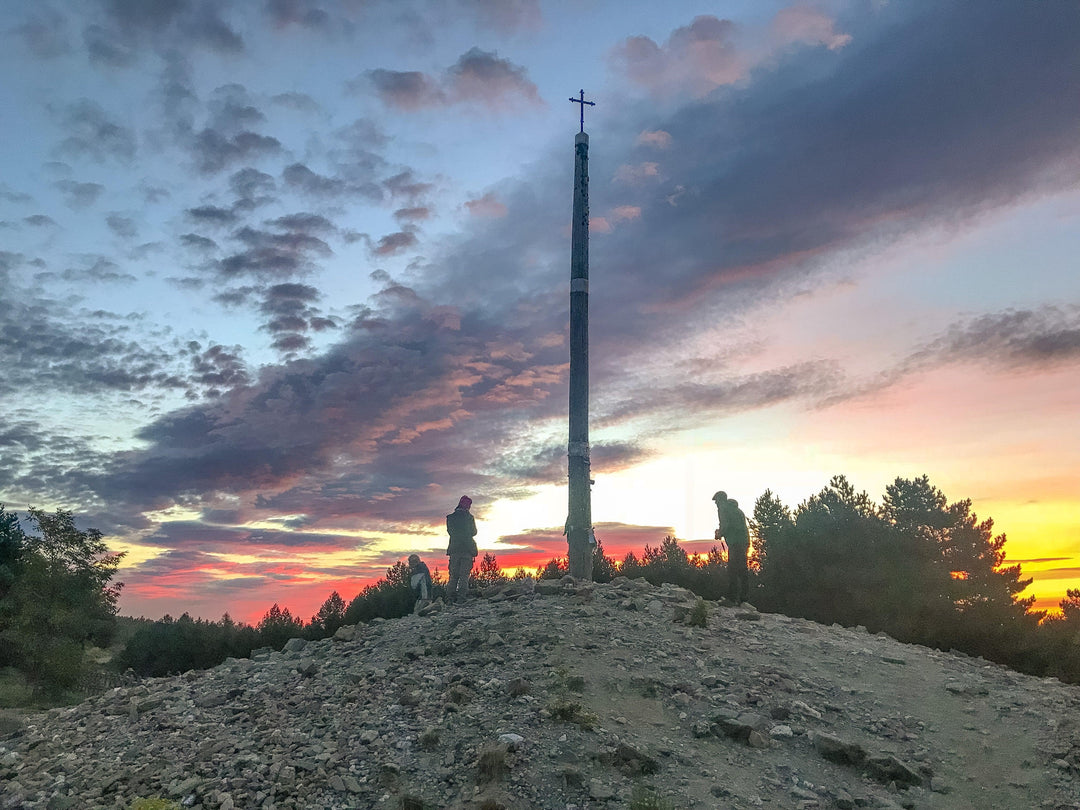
(281, 279)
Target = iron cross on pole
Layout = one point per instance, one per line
(581, 100)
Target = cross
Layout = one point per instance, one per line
(582, 102)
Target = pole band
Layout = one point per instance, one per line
(578, 449)
(579, 285)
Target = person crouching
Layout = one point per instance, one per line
(420, 579)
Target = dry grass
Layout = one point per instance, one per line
(491, 765)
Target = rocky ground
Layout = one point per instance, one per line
(567, 696)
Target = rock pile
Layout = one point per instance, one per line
(568, 696)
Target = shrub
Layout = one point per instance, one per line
(491, 765)
(570, 711)
(646, 798)
(699, 614)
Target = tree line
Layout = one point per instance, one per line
(915, 566)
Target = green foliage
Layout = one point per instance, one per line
(330, 616)
(603, 567)
(555, 568)
(277, 626)
(390, 597)
(489, 574)
(12, 544)
(571, 711)
(56, 596)
(917, 567)
(643, 797)
(171, 646)
(699, 614)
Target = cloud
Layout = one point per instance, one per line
(40, 221)
(507, 16)
(272, 256)
(303, 222)
(300, 178)
(79, 195)
(773, 175)
(291, 316)
(252, 188)
(657, 139)
(129, 26)
(413, 214)
(363, 430)
(121, 225)
(394, 243)
(301, 102)
(99, 269)
(486, 206)
(806, 24)
(479, 78)
(215, 151)
(1059, 573)
(62, 353)
(405, 90)
(93, 135)
(482, 77)
(212, 215)
(636, 174)
(45, 33)
(302, 13)
(695, 59)
(1018, 338)
(217, 368)
(8, 194)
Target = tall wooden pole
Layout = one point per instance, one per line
(579, 520)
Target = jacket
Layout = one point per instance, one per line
(461, 526)
(733, 526)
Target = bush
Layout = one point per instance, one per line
(699, 614)
(646, 798)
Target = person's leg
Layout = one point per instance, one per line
(742, 577)
(463, 577)
(460, 567)
(451, 584)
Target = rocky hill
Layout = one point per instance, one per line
(567, 695)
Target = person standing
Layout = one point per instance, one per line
(735, 533)
(461, 526)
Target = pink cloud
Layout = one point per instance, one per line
(486, 206)
(478, 77)
(804, 23)
(657, 139)
(633, 174)
(695, 59)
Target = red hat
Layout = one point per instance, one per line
(465, 502)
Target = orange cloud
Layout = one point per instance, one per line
(486, 206)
